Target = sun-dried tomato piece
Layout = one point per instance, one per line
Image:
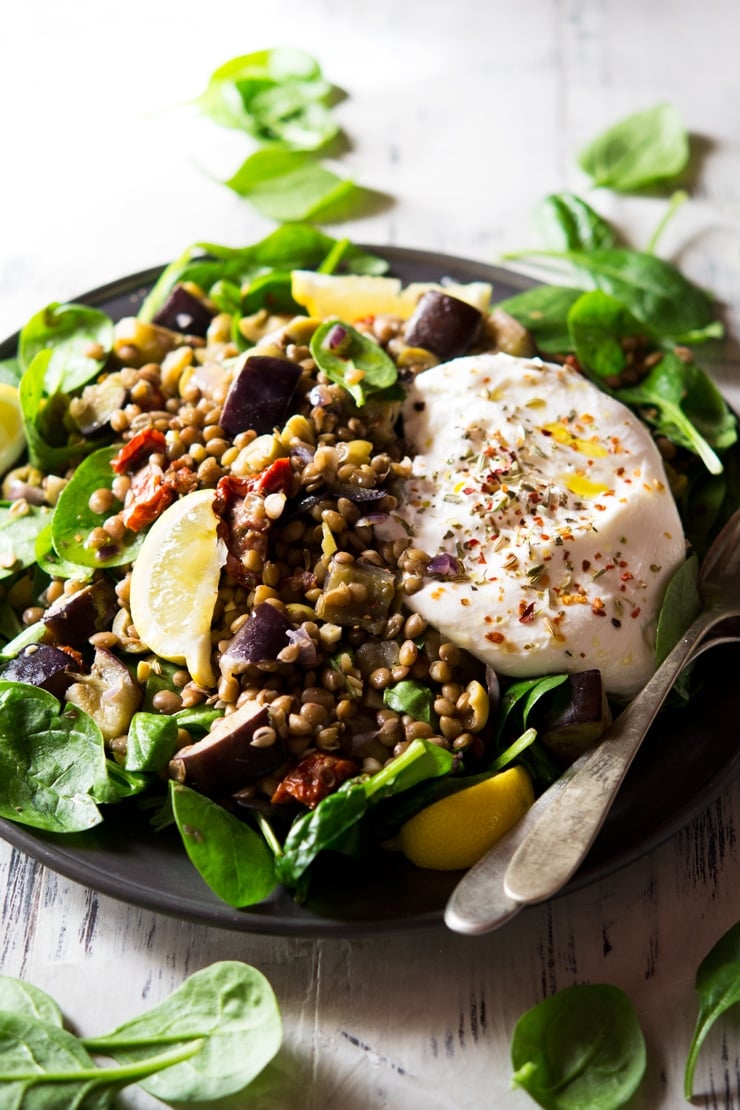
(135, 453)
(147, 498)
(315, 776)
(277, 478)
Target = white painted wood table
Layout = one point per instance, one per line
(465, 114)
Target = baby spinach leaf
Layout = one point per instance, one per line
(52, 564)
(420, 762)
(152, 739)
(10, 626)
(19, 997)
(52, 763)
(20, 525)
(409, 696)
(80, 339)
(271, 291)
(544, 310)
(10, 371)
(681, 604)
(580, 1047)
(294, 246)
(324, 827)
(597, 324)
(718, 985)
(274, 95)
(568, 223)
(290, 185)
(666, 303)
(43, 454)
(227, 1010)
(74, 520)
(316, 830)
(646, 147)
(524, 695)
(681, 403)
(230, 856)
(357, 362)
(43, 1067)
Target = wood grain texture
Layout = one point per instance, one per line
(465, 115)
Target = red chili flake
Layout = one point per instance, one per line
(527, 615)
(495, 637)
(135, 453)
(598, 612)
(635, 614)
(468, 490)
(586, 564)
(626, 576)
(623, 562)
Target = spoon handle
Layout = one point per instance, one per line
(561, 838)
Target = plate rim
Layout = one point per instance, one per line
(57, 851)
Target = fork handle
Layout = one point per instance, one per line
(560, 840)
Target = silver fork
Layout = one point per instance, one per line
(550, 842)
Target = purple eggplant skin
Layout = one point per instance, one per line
(575, 716)
(227, 759)
(444, 325)
(259, 640)
(260, 396)
(42, 665)
(73, 619)
(184, 313)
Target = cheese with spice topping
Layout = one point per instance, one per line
(552, 504)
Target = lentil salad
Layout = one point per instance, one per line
(310, 634)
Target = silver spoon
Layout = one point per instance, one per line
(551, 840)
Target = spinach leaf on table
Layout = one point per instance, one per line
(19, 997)
(228, 1010)
(52, 762)
(231, 857)
(291, 185)
(277, 96)
(644, 148)
(79, 338)
(718, 985)
(581, 1047)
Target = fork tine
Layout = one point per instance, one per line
(725, 546)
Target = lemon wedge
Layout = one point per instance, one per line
(12, 440)
(174, 584)
(352, 296)
(457, 831)
(349, 296)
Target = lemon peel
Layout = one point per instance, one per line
(174, 584)
(455, 832)
(12, 439)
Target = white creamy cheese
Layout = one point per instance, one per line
(553, 499)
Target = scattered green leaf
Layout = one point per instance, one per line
(644, 148)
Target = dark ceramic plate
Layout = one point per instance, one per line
(688, 758)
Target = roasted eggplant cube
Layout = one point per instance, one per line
(183, 312)
(109, 694)
(260, 396)
(357, 594)
(74, 619)
(259, 640)
(42, 665)
(240, 748)
(444, 325)
(574, 717)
